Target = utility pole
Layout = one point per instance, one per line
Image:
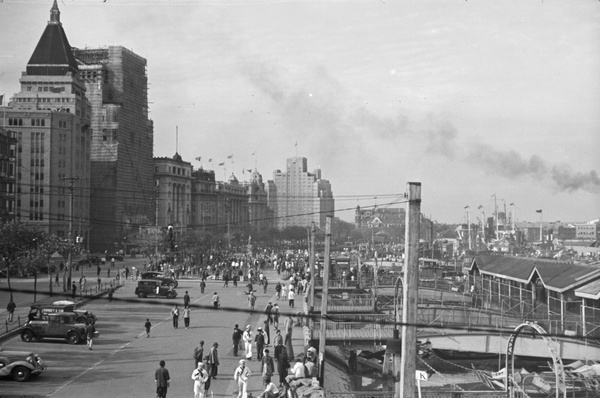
(70, 259)
(313, 273)
(408, 366)
(324, 293)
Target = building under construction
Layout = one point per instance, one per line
(121, 186)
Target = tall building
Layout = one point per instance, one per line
(122, 186)
(174, 184)
(8, 174)
(260, 215)
(51, 119)
(301, 197)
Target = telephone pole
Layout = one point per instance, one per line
(71, 188)
(408, 365)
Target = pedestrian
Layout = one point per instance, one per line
(267, 330)
(250, 287)
(237, 336)
(215, 300)
(83, 283)
(251, 302)
(56, 280)
(247, 337)
(265, 284)
(90, 329)
(282, 366)
(259, 339)
(268, 312)
(278, 290)
(241, 376)
(202, 286)
(186, 316)
(213, 361)
(163, 380)
(110, 292)
(291, 297)
(99, 283)
(225, 279)
(200, 377)
(284, 293)
(271, 390)
(275, 314)
(268, 367)
(10, 307)
(73, 289)
(148, 326)
(277, 343)
(175, 316)
(186, 299)
(199, 353)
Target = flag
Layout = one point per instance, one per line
(512, 204)
(199, 158)
(480, 207)
(210, 160)
(230, 156)
(538, 211)
(253, 153)
(222, 164)
(467, 206)
(249, 170)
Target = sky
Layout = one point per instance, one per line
(484, 103)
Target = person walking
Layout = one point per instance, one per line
(199, 353)
(265, 284)
(259, 339)
(186, 299)
(277, 343)
(251, 302)
(282, 366)
(10, 307)
(73, 289)
(186, 316)
(278, 290)
(175, 316)
(269, 312)
(162, 379)
(237, 336)
(148, 326)
(56, 280)
(241, 375)
(213, 360)
(202, 286)
(291, 297)
(90, 329)
(247, 337)
(275, 315)
(215, 300)
(267, 331)
(267, 366)
(200, 377)
(110, 293)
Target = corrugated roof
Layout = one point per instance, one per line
(554, 275)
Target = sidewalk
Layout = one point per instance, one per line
(299, 339)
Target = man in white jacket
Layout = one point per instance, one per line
(241, 375)
(247, 338)
(200, 377)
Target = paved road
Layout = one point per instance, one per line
(124, 360)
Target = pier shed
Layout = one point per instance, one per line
(534, 290)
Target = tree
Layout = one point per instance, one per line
(17, 241)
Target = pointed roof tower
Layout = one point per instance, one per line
(53, 55)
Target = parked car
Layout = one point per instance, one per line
(167, 280)
(20, 365)
(40, 311)
(60, 325)
(154, 288)
(95, 260)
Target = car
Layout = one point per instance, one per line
(109, 257)
(40, 311)
(95, 260)
(61, 325)
(20, 365)
(154, 288)
(167, 280)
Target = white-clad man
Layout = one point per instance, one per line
(247, 339)
(241, 375)
(200, 377)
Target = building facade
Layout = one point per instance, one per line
(51, 119)
(8, 174)
(301, 197)
(173, 179)
(122, 167)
